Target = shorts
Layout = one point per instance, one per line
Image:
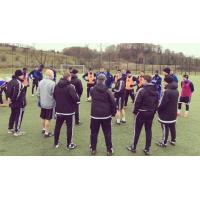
(46, 114)
(185, 100)
(119, 102)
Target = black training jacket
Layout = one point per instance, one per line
(16, 93)
(65, 97)
(167, 109)
(103, 103)
(119, 90)
(146, 99)
(78, 85)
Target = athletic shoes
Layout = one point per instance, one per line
(57, 146)
(43, 131)
(78, 123)
(110, 152)
(89, 99)
(160, 144)
(32, 95)
(146, 152)
(11, 131)
(118, 121)
(172, 143)
(18, 133)
(48, 135)
(93, 152)
(130, 148)
(71, 146)
(123, 121)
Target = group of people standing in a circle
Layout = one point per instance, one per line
(108, 95)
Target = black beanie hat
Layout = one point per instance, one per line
(74, 71)
(167, 70)
(185, 76)
(168, 79)
(41, 66)
(18, 73)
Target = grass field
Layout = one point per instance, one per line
(34, 144)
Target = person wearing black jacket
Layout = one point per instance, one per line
(103, 107)
(79, 90)
(167, 111)
(16, 98)
(66, 100)
(146, 103)
(119, 94)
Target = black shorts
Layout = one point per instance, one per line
(119, 102)
(185, 100)
(35, 82)
(46, 113)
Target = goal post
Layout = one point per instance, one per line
(80, 68)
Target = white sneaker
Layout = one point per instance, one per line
(11, 131)
(19, 133)
(32, 95)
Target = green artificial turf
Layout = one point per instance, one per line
(34, 144)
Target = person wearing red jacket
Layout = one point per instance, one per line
(186, 94)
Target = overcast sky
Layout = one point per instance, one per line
(186, 48)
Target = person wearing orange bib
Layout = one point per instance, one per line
(90, 77)
(140, 80)
(129, 90)
(25, 79)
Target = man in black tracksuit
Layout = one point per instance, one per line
(16, 98)
(119, 94)
(146, 103)
(79, 90)
(102, 109)
(66, 101)
(167, 111)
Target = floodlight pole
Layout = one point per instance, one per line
(12, 60)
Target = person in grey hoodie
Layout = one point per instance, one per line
(46, 101)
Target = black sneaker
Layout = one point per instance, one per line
(110, 152)
(172, 143)
(122, 121)
(48, 135)
(43, 132)
(71, 146)
(78, 123)
(130, 148)
(146, 152)
(160, 144)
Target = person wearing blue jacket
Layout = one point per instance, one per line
(157, 81)
(36, 76)
(109, 79)
(101, 71)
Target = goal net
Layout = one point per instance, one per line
(64, 67)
